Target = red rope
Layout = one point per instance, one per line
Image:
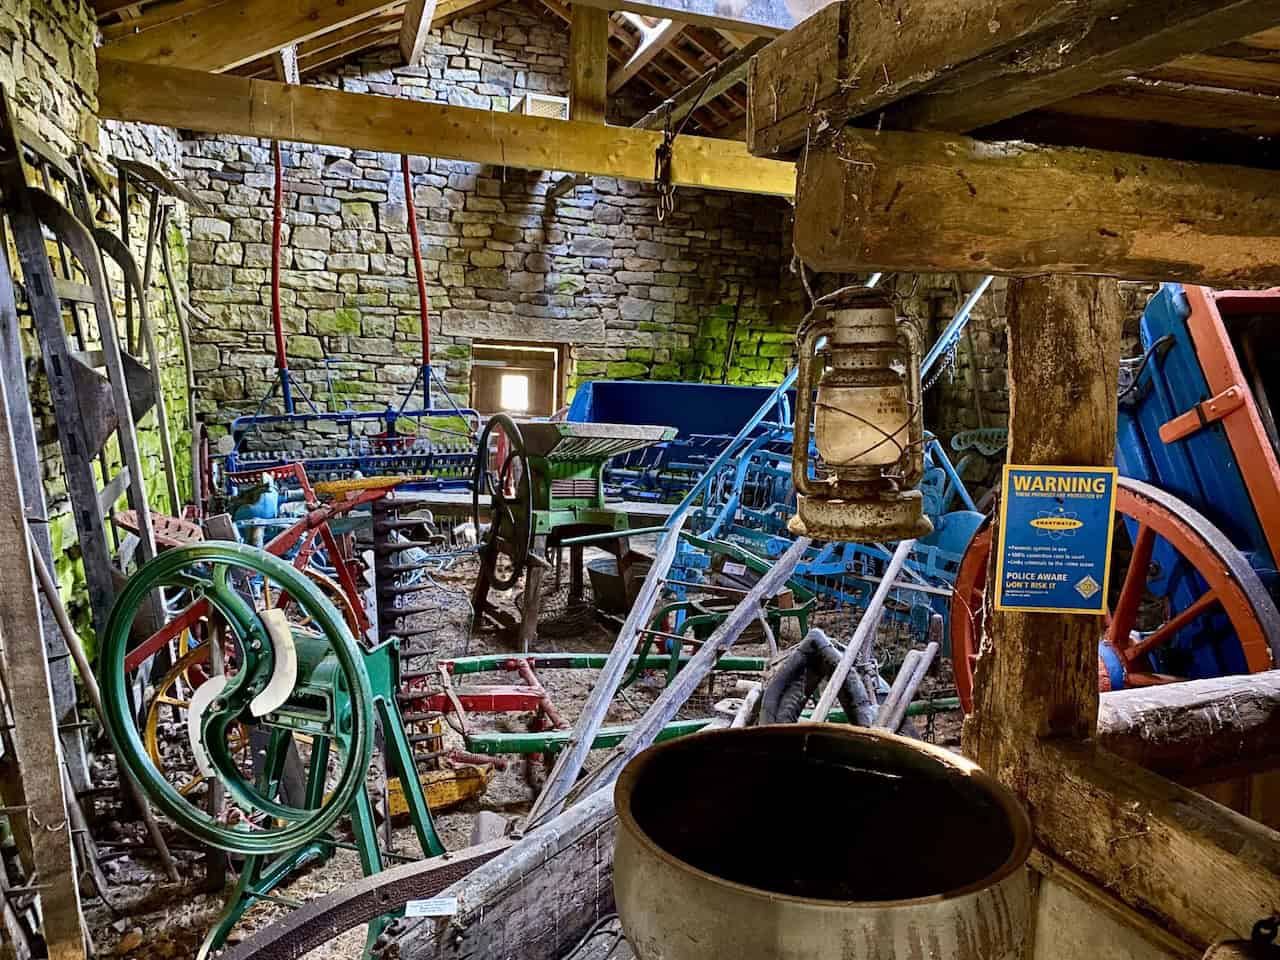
(412, 214)
(282, 358)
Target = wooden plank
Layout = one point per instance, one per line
(1180, 105)
(415, 27)
(1204, 872)
(970, 63)
(653, 43)
(26, 674)
(155, 15)
(570, 761)
(1206, 70)
(1189, 730)
(908, 201)
(726, 74)
(1104, 43)
(284, 64)
(229, 34)
(215, 103)
(1040, 677)
(588, 63)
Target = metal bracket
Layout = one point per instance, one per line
(1202, 414)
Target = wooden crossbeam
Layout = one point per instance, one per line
(652, 44)
(226, 35)
(958, 65)
(921, 201)
(381, 31)
(219, 103)
(415, 27)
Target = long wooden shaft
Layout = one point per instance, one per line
(865, 632)
(50, 591)
(692, 674)
(570, 760)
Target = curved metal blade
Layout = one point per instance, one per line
(204, 695)
(285, 672)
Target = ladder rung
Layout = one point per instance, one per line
(113, 491)
(70, 290)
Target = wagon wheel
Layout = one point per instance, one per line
(507, 482)
(1200, 581)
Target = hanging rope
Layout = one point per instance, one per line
(416, 244)
(277, 323)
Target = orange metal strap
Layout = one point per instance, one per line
(1202, 414)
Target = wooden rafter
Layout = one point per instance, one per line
(958, 66)
(651, 44)
(707, 87)
(235, 32)
(416, 25)
(220, 103)
(763, 18)
(1128, 38)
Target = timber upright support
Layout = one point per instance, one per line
(1138, 845)
(1040, 677)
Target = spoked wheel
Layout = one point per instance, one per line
(502, 472)
(1186, 604)
(290, 665)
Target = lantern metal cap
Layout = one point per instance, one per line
(892, 516)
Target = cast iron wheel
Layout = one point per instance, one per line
(503, 473)
(1202, 581)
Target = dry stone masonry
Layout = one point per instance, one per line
(595, 268)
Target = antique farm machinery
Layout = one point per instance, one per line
(1195, 578)
(254, 675)
(541, 484)
(423, 436)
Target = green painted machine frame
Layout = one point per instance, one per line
(341, 688)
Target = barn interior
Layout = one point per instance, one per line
(639, 479)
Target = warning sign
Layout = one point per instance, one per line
(1055, 538)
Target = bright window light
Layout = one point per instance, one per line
(515, 392)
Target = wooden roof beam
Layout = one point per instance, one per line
(225, 35)
(219, 103)
(925, 201)
(415, 27)
(762, 18)
(652, 43)
(957, 65)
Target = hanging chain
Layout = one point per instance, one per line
(948, 363)
(662, 156)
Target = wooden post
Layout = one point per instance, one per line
(35, 726)
(588, 63)
(1040, 677)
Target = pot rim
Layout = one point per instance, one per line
(1003, 796)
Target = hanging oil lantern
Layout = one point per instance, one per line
(867, 422)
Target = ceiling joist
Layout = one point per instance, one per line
(418, 15)
(653, 41)
(220, 103)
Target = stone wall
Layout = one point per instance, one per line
(49, 71)
(595, 268)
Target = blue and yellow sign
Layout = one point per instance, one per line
(1055, 539)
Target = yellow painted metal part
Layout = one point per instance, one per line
(336, 488)
(444, 788)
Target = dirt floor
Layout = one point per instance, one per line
(154, 918)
